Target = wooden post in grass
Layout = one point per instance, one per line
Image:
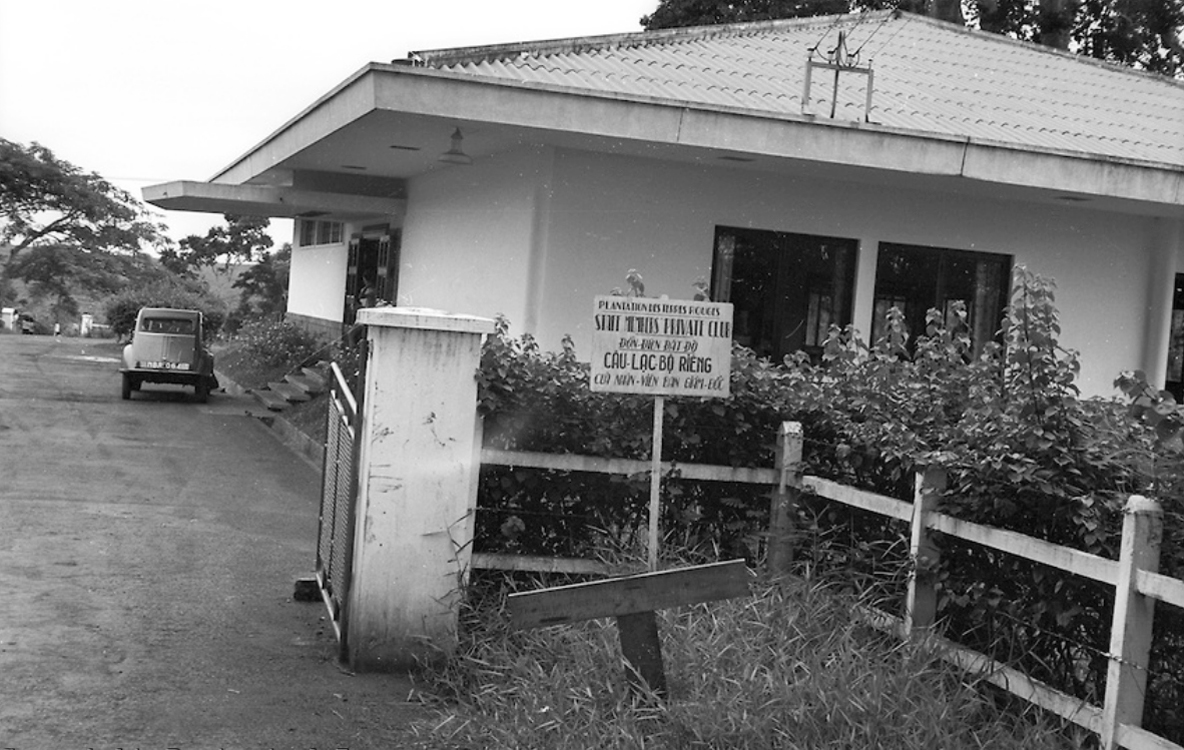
(922, 596)
(788, 463)
(655, 535)
(1130, 632)
(633, 601)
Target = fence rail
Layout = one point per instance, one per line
(1135, 580)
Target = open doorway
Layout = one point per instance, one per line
(372, 271)
(1174, 379)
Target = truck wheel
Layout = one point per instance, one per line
(127, 386)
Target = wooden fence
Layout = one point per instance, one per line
(1134, 576)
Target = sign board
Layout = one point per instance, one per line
(632, 601)
(662, 347)
(613, 597)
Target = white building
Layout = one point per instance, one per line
(525, 179)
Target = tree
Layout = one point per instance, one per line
(244, 239)
(46, 201)
(265, 285)
(67, 277)
(1142, 34)
(121, 310)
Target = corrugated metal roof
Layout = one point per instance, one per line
(930, 77)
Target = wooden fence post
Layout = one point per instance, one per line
(788, 463)
(1130, 633)
(922, 598)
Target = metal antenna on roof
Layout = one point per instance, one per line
(840, 60)
(895, 15)
(876, 30)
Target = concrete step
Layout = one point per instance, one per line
(272, 401)
(310, 385)
(288, 391)
(317, 374)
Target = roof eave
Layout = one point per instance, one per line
(276, 202)
(547, 107)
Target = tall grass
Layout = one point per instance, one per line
(789, 667)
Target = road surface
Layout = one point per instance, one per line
(148, 550)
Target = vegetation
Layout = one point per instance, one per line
(790, 667)
(121, 309)
(67, 280)
(265, 350)
(49, 202)
(244, 239)
(264, 286)
(1021, 449)
(1143, 34)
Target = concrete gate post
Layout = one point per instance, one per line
(417, 474)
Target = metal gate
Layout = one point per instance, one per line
(339, 492)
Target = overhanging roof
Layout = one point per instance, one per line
(952, 110)
(254, 200)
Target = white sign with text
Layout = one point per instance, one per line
(662, 347)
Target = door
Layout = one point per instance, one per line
(371, 272)
(1174, 379)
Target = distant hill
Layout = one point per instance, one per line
(221, 283)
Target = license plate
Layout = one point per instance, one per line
(166, 365)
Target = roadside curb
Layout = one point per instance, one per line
(302, 445)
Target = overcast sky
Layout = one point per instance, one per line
(148, 91)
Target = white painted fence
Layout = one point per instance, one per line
(1134, 576)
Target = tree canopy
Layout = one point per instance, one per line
(1142, 34)
(264, 286)
(46, 201)
(70, 280)
(244, 239)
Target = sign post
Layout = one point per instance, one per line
(632, 600)
(661, 347)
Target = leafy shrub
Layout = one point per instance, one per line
(121, 310)
(540, 401)
(274, 348)
(1021, 449)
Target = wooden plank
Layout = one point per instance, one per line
(1012, 680)
(1137, 738)
(645, 592)
(1064, 558)
(533, 564)
(625, 466)
(1019, 684)
(643, 651)
(1161, 587)
(869, 501)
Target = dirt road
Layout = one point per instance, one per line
(147, 555)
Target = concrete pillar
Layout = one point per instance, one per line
(417, 475)
(1167, 245)
(863, 311)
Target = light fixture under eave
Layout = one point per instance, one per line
(456, 154)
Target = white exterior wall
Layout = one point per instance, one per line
(536, 234)
(316, 285)
(469, 236)
(609, 214)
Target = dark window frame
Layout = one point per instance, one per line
(990, 270)
(792, 287)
